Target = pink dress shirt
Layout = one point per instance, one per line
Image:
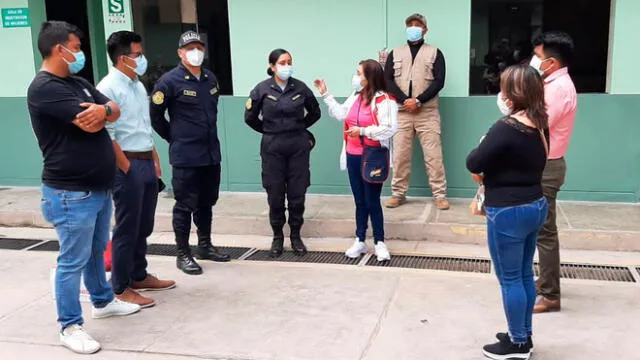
(562, 101)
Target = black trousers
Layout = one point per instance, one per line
(135, 197)
(285, 172)
(196, 190)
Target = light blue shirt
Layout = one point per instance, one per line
(132, 131)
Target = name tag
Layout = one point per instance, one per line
(87, 92)
(296, 97)
(272, 98)
(214, 91)
(189, 93)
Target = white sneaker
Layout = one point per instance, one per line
(382, 253)
(356, 250)
(76, 339)
(115, 308)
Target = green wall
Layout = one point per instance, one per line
(603, 157)
(624, 76)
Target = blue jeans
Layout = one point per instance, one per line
(367, 199)
(513, 232)
(81, 220)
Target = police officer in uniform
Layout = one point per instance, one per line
(276, 108)
(190, 94)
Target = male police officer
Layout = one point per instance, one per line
(190, 93)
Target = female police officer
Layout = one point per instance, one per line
(276, 108)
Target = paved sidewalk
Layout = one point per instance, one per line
(252, 310)
(590, 226)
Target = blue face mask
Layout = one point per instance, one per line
(414, 33)
(141, 65)
(76, 66)
(284, 72)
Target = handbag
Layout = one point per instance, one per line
(477, 203)
(375, 159)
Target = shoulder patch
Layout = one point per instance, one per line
(248, 104)
(158, 98)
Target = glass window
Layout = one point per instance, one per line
(502, 32)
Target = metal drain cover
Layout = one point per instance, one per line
(435, 263)
(314, 257)
(171, 250)
(16, 244)
(52, 245)
(592, 272)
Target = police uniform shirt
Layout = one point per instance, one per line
(192, 105)
(282, 110)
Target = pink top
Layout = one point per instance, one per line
(354, 144)
(562, 101)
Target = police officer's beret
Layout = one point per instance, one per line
(188, 38)
(312, 140)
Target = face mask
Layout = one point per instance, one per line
(536, 63)
(284, 72)
(195, 57)
(414, 33)
(502, 105)
(356, 83)
(76, 66)
(141, 65)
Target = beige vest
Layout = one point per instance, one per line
(419, 73)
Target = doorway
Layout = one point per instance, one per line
(75, 12)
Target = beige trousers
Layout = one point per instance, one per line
(426, 125)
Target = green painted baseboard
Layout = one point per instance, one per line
(603, 160)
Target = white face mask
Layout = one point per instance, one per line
(502, 105)
(195, 57)
(356, 83)
(536, 63)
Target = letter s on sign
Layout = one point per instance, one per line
(115, 6)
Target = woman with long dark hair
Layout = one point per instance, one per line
(509, 162)
(370, 115)
(276, 109)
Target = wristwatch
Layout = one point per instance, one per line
(108, 109)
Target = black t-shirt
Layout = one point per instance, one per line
(512, 158)
(73, 159)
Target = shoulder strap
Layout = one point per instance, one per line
(544, 142)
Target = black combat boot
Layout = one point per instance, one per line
(206, 251)
(296, 243)
(277, 245)
(185, 261)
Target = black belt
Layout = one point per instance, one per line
(143, 155)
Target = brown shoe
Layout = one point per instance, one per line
(151, 283)
(394, 202)
(442, 204)
(544, 305)
(131, 296)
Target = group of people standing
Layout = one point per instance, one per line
(97, 145)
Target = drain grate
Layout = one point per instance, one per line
(435, 263)
(17, 244)
(316, 257)
(170, 250)
(592, 272)
(52, 245)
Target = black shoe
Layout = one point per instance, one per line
(187, 264)
(277, 247)
(298, 246)
(507, 351)
(210, 252)
(505, 338)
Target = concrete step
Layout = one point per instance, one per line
(586, 226)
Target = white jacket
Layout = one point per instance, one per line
(387, 115)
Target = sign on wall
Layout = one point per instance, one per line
(116, 13)
(15, 17)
